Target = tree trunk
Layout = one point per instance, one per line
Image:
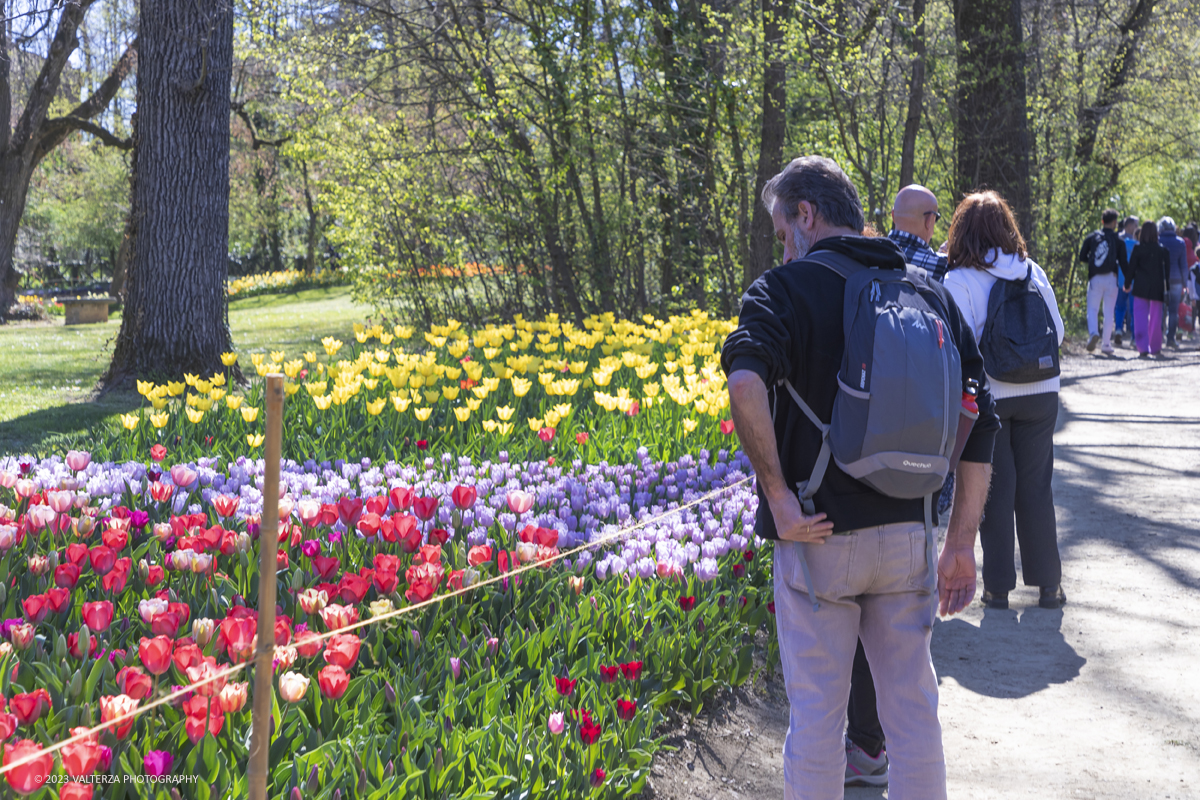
(175, 318)
(992, 127)
(916, 97)
(774, 127)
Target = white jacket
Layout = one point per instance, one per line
(970, 289)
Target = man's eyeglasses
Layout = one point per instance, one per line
(936, 216)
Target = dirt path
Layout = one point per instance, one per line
(1100, 700)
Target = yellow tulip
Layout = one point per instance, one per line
(129, 421)
(362, 337)
(552, 419)
(145, 387)
(504, 413)
(249, 413)
(374, 407)
(263, 369)
(331, 345)
(229, 359)
(401, 403)
(505, 428)
(323, 401)
(203, 387)
(256, 358)
(194, 416)
(254, 439)
(491, 352)
(370, 383)
(403, 331)
(535, 424)
(189, 379)
(277, 356)
(382, 356)
(563, 410)
(159, 420)
(450, 392)
(474, 404)
(490, 425)
(203, 403)
(422, 414)
(480, 392)
(292, 368)
(310, 357)
(462, 414)
(217, 379)
(521, 386)
(432, 397)
(385, 338)
(158, 403)
(217, 395)
(234, 402)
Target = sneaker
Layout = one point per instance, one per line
(1174, 345)
(1108, 351)
(862, 770)
(1051, 597)
(1117, 339)
(1092, 342)
(997, 600)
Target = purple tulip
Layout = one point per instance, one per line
(158, 763)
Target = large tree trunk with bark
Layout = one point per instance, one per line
(176, 310)
(916, 97)
(24, 144)
(992, 126)
(773, 129)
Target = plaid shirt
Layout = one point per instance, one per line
(917, 253)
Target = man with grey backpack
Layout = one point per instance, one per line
(850, 380)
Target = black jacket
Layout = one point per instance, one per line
(1147, 272)
(791, 326)
(1103, 252)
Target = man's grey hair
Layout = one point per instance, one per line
(821, 182)
(1166, 225)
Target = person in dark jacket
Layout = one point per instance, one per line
(1146, 280)
(1177, 267)
(1104, 253)
(859, 544)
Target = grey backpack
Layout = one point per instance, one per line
(895, 417)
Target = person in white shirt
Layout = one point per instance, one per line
(985, 246)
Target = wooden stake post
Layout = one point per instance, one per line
(268, 544)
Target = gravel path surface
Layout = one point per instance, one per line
(1099, 700)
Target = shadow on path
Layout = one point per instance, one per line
(1026, 652)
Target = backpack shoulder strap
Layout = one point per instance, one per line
(842, 265)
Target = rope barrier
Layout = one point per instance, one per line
(233, 669)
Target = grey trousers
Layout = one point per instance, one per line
(874, 584)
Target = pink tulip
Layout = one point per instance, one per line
(8, 479)
(519, 502)
(41, 516)
(182, 476)
(309, 510)
(25, 488)
(555, 724)
(60, 501)
(78, 459)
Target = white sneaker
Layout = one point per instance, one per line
(862, 770)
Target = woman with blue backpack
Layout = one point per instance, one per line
(1007, 300)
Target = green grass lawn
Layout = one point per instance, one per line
(48, 371)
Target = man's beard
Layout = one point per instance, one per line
(801, 242)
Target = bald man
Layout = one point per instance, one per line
(914, 215)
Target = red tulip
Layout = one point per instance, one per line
(8, 724)
(58, 598)
(609, 674)
(464, 496)
(161, 492)
(419, 592)
(386, 562)
(353, 588)
(237, 636)
(546, 435)
(589, 731)
(687, 603)
(368, 524)
(155, 654)
(114, 581)
(34, 772)
(102, 557)
(726, 426)
(342, 650)
(36, 607)
(429, 554)
(112, 708)
(225, 506)
(425, 507)
(455, 579)
(66, 576)
(283, 631)
(439, 536)
(28, 707)
(203, 717)
(76, 790)
(581, 437)
(386, 581)
(597, 777)
(401, 498)
(632, 670)
(115, 538)
(98, 615)
(77, 553)
(158, 452)
(133, 682)
(81, 757)
(329, 513)
(480, 554)
(349, 510)
(739, 570)
(564, 686)
(206, 677)
(154, 575)
(626, 709)
(186, 655)
(422, 444)
(308, 644)
(333, 681)
(771, 607)
(76, 651)
(326, 566)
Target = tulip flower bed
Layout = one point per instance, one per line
(120, 581)
(288, 280)
(537, 390)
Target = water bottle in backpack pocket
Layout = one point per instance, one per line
(1019, 342)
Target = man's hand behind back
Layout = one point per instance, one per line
(793, 526)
